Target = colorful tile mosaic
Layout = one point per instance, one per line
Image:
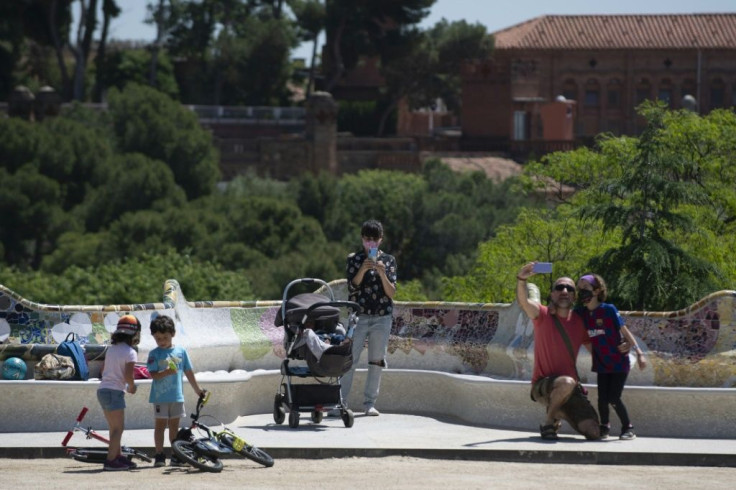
(691, 347)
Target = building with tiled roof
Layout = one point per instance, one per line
(603, 66)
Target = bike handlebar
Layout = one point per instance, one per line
(82, 414)
(71, 432)
(201, 402)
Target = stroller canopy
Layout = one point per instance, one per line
(299, 304)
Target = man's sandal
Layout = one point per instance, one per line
(548, 432)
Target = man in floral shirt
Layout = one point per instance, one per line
(371, 275)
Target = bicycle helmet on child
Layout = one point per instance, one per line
(128, 325)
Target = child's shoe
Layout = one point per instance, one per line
(115, 465)
(129, 463)
(160, 460)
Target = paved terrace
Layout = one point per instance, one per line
(467, 365)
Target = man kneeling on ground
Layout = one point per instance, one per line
(555, 378)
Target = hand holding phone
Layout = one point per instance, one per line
(542, 268)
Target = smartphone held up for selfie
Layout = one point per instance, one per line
(542, 268)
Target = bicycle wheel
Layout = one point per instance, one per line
(251, 452)
(184, 450)
(88, 455)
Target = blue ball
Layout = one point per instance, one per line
(14, 368)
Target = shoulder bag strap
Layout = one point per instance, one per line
(568, 344)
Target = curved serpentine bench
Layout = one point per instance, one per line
(471, 362)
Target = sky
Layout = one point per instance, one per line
(493, 14)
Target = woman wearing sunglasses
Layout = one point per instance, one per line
(555, 378)
(611, 342)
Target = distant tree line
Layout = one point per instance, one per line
(238, 52)
(101, 196)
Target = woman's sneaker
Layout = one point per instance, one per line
(627, 434)
(372, 412)
(160, 460)
(115, 465)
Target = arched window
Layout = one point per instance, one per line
(613, 94)
(717, 93)
(592, 93)
(665, 92)
(570, 89)
(643, 91)
(689, 88)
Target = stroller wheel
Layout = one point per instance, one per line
(279, 414)
(348, 418)
(317, 416)
(294, 417)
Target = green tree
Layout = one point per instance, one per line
(315, 195)
(643, 187)
(252, 64)
(137, 183)
(148, 122)
(48, 168)
(123, 66)
(30, 214)
(134, 280)
(456, 43)
(422, 66)
(545, 236)
(458, 211)
(394, 198)
(356, 28)
(233, 51)
(311, 16)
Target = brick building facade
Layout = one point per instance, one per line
(606, 64)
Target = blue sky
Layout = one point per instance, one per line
(493, 14)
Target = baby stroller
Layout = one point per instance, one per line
(313, 333)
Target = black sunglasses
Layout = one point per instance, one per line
(560, 287)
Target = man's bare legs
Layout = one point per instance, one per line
(561, 391)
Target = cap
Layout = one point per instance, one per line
(128, 325)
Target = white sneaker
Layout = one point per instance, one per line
(372, 412)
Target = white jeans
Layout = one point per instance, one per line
(376, 329)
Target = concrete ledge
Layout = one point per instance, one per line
(550, 456)
(655, 411)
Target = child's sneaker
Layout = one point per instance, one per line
(115, 465)
(129, 463)
(160, 460)
(175, 461)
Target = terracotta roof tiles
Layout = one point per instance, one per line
(621, 32)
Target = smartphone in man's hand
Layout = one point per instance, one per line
(542, 268)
